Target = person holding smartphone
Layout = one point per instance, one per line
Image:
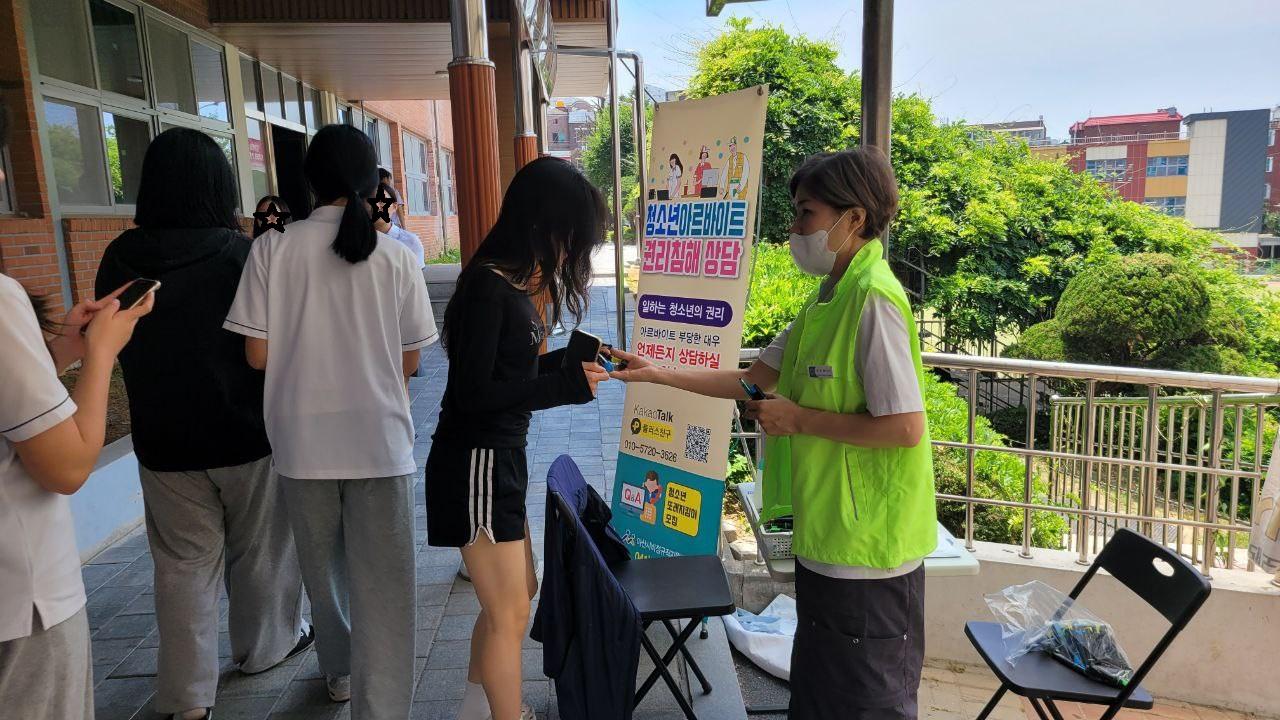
(551, 220)
(848, 453)
(214, 507)
(51, 440)
(337, 313)
(49, 443)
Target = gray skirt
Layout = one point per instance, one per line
(859, 647)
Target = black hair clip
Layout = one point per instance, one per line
(272, 211)
(381, 204)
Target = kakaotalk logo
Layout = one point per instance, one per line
(652, 424)
(653, 413)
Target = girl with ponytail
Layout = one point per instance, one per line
(336, 313)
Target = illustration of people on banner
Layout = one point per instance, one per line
(737, 171)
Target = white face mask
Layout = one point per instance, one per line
(811, 253)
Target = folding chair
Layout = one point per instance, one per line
(691, 588)
(1141, 565)
(663, 590)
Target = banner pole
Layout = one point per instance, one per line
(611, 28)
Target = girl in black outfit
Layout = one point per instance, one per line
(212, 498)
(551, 220)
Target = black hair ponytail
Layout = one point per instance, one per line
(356, 236)
(341, 164)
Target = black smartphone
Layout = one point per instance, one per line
(137, 290)
(582, 347)
(752, 390)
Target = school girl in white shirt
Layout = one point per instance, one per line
(336, 314)
(51, 441)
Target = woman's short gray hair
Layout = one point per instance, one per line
(861, 178)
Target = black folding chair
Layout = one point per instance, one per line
(1137, 563)
(665, 590)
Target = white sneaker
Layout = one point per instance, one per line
(339, 688)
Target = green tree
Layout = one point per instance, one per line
(813, 104)
(1156, 310)
(113, 163)
(597, 157)
(1271, 223)
(1000, 231)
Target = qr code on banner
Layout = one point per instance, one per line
(697, 441)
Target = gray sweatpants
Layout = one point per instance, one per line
(48, 675)
(199, 523)
(355, 540)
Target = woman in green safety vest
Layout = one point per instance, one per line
(848, 454)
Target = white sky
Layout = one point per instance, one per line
(998, 60)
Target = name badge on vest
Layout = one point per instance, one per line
(820, 371)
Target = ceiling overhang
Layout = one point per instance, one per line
(391, 49)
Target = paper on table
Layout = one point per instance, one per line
(948, 546)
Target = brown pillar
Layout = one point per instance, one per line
(475, 133)
(475, 124)
(526, 150)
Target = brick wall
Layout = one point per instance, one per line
(28, 251)
(28, 255)
(195, 12)
(87, 238)
(417, 117)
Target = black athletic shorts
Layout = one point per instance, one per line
(859, 647)
(474, 490)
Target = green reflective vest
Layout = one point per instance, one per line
(851, 505)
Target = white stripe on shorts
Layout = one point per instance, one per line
(488, 519)
(480, 494)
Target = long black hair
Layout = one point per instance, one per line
(552, 218)
(678, 163)
(186, 183)
(341, 165)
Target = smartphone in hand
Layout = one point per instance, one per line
(752, 390)
(583, 347)
(136, 291)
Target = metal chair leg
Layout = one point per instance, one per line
(1038, 708)
(1053, 709)
(662, 671)
(991, 704)
(1112, 710)
(684, 650)
(660, 662)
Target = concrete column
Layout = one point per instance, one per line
(475, 125)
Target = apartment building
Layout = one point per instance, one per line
(1210, 168)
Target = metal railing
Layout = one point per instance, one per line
(1090, 461)
(1178, 436)
(1113, 139)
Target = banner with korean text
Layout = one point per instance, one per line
(695, 266)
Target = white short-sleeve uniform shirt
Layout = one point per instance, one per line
(335, 405)
(39, 563)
